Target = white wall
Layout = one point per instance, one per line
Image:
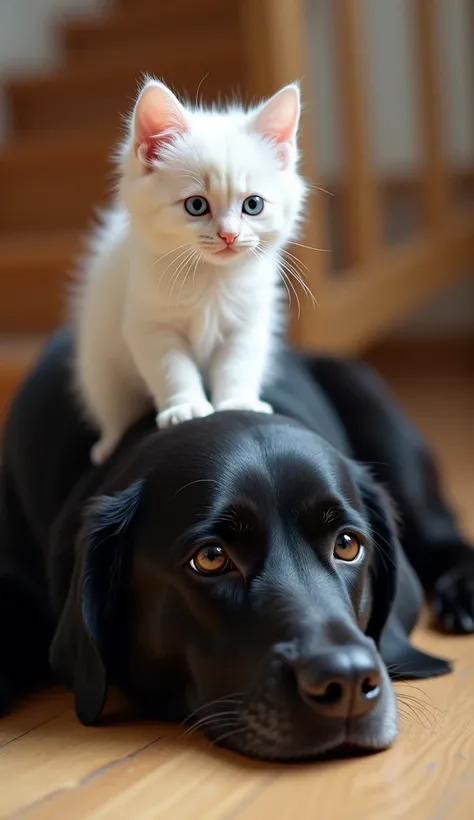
(28, 36)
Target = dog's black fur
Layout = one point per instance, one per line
(286, 654)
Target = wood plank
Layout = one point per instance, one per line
(367, 302)
(183, 8)
(436, 186)
(56, 181)
(33, 713)
(361, 211)
(33, 275)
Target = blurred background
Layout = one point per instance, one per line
(388, 135)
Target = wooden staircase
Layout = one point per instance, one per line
(55, 168)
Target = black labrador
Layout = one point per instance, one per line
(243, 568)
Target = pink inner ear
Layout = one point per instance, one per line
(278, 118)
(149, 150)
(284, 152)
(158, 118)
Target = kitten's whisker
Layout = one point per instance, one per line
(308, 247)
(176, 275)
(294, 273)
(296, 261)
(199, 87)
(287, 289)
(198, 260)
(261, 253)
(296, 295)
(188, 271)
(180, 270)
(319, 188)
(168, 253)
(172, 263)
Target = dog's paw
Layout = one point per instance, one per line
(453, 600)
(183, 412)
(255, 405)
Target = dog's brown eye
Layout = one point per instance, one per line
(347, 547)
(210, 560)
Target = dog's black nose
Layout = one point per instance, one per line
(343, 682)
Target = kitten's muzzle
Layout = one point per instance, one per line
(228, 237)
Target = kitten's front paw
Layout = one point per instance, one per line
(183, 412)
(101, 450)
(255, 405)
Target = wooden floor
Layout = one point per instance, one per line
(51, 767)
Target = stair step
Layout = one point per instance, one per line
(54, 183)
(96, 92)
(17, 354)
(179, 8)
(147, 24)
(33, 275)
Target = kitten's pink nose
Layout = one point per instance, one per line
(229, 237)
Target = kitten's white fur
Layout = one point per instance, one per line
(161, 312)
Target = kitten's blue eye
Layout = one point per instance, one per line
(196, 205)
(252, 206)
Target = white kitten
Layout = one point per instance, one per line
(181, 288)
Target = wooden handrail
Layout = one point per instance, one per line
(361, 202)
(435, 188)
(273, 34)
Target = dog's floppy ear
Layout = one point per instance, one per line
(403, 659)
(78, 653)
(384, 564)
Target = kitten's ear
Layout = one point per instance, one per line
(157, 118)
(278, 120)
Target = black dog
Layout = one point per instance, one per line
(243, 567)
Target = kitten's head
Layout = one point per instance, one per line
(223, 183)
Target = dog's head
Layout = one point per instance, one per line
(241, 569)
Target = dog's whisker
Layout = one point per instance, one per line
(213, 721)
(226, 735)
(232, 697)
(423, 718)
(213, 717)
(191, 483)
